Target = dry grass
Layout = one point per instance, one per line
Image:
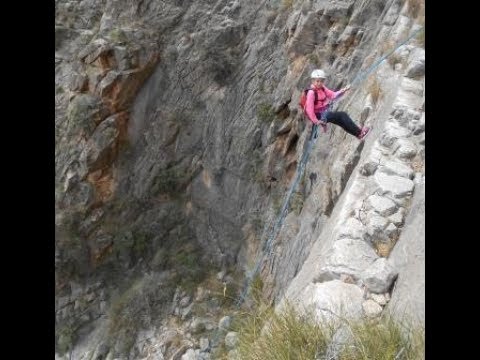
(383, 249)
(266, 335)
(224, 293)
(394, 59)
(287, 4)
(415, 8)
(296, 203)
(374, 89)
(314, 59)
(418, 165)
(369, 61)
(386, 47)
(385, 339)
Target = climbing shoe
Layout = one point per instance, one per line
(365, 130)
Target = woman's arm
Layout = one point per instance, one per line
(338, 93)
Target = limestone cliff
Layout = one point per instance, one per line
(177, 137)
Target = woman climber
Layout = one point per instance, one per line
(316, 107)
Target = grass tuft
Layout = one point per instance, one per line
(415, 8)
(374, 89)
(266, 335)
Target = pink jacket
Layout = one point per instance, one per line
(324, 96)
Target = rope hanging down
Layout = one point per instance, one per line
(267, 249)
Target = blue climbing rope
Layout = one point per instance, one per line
(267, 249)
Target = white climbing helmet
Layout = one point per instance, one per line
(318, 74)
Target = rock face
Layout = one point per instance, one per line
(328, 300)
(408, 299)
(177, 137)
(373, 203)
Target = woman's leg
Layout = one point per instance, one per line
(342, 119)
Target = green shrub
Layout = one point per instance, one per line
(118, 36)
(265, 112)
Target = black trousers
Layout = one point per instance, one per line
(342, 119)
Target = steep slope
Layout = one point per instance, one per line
(177, 137)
